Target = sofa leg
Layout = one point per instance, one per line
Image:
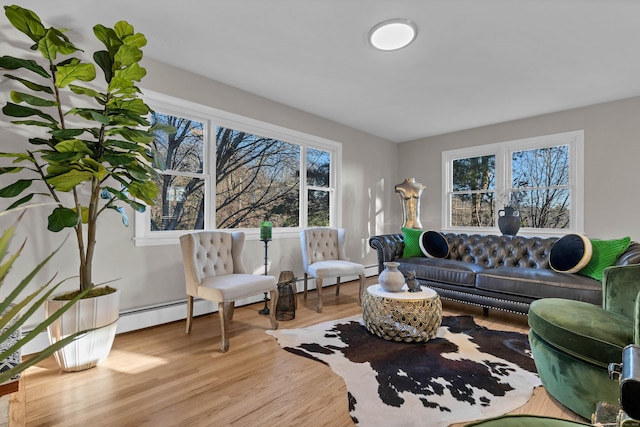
(485, 311)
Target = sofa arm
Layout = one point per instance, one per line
(620, 289)
(388, 246)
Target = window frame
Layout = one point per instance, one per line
(213, 117)
(503, 152)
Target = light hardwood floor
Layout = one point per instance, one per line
(162, 377)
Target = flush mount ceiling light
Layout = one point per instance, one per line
(393, 34)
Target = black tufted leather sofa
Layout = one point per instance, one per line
(501, 272)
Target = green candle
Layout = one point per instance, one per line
(265, 230)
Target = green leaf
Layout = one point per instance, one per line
(135, 106)
(15, 110)
(161, 127)
(100, 118)
(19, 157)
(71, 73)
(69, 180)
(12, 63)
(54, 157)
(105, 61)
(33, 86)
(145, 191)
(12, 190)
(119, 159)
(86, 91)
(73, 146)
(62, 218)
(30, 99)
(98, 170)
(34, 123)
(84, 214)
(125, 78)
(138, 40)
(21, 201)
(126, 56)
(10, 169)
(122, 29)
(134, 135)
(62, 134)
(55, 42)
(108, 37)
(25, 21)
(125, 145)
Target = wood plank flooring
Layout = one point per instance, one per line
(163, 377)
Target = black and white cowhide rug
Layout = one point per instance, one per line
(467, 372)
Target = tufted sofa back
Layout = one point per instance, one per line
(321, 244)
(500, 251)
(211, 253)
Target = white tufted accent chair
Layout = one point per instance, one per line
(323, 256)
(214, 270)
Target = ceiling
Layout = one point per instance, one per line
(474, 62)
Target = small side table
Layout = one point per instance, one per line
(402, 316)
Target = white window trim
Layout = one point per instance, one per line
(502, 151)
(213, 117)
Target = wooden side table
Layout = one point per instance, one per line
(402, 316)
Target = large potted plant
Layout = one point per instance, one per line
(90, 152)
(20, 305)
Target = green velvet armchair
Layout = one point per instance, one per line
(573, 342)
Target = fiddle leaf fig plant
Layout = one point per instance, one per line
(91, 149)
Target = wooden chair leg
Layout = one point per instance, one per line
(224, 308)
(304, 292)
(362, 288)
(295, 295)
(337, 286)
(319, 289)
(189, 313)
(275, 294)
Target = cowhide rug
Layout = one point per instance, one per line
(467, 372)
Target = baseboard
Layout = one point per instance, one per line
(146, 317)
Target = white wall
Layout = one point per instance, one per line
(153, 275)
(612, 152)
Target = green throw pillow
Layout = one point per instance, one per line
(411, 242)
(605, 254)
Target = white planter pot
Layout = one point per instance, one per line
(89, 350)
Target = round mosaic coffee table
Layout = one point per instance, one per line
(402, 316)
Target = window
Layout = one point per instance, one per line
(541, 177)
(229, 172)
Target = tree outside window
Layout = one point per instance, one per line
(540, 177)
(249, 178)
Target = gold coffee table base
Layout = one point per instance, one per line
(402, 316)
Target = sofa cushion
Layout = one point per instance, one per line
(411, 242)
(583, 330)
(539, 283)
(442, 270)
(605, 254)
(434, 245)
(570, 254)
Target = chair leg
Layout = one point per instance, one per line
(275, 294)
(224, 308)
(337, 286)
(319, 289)
(189, 313)
(362, 288)
(304, 292)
